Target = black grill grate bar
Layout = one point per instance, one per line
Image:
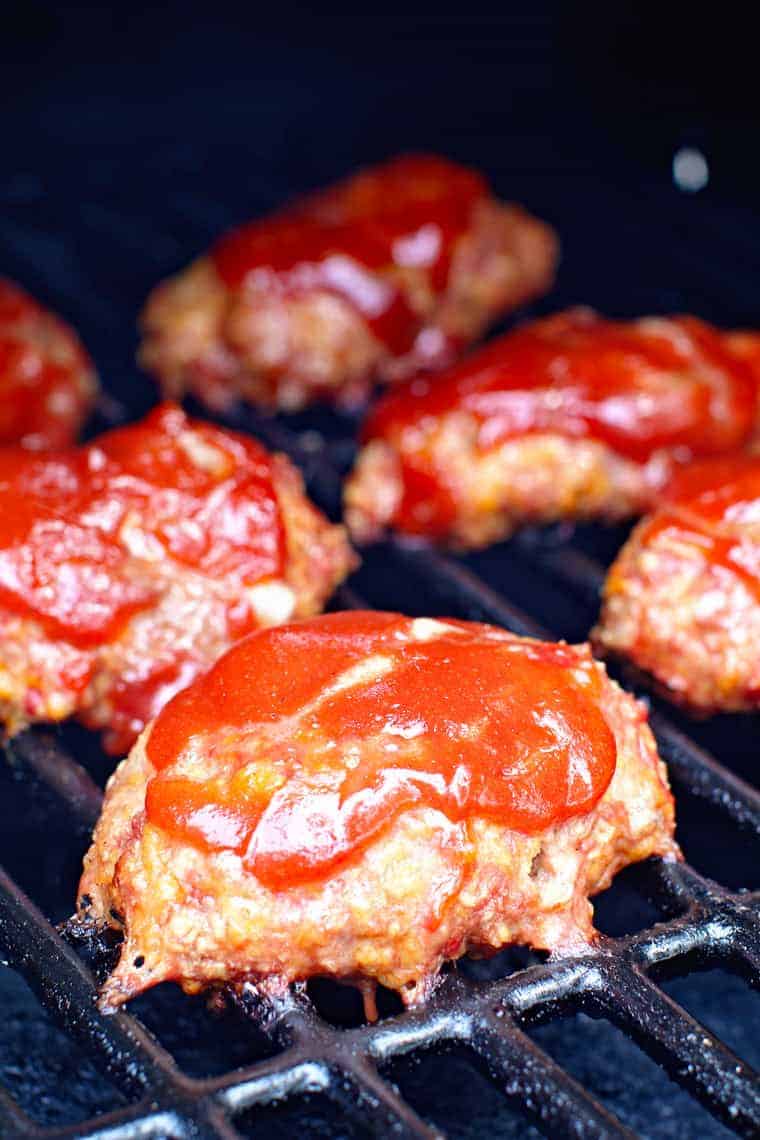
(527, 1075)
(693, 1057)
(455, 585)
(63, 984)
(13, 1119)
(56, 768)
(697, 770)
(553, 988)
(577, 570)
(714, 920)
(283, 1076)
(376, 1105)
(133, 1123)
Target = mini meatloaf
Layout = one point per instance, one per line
(682, 600)
(572, 417)
(47, 380)
(366, 795)
(129, 565)
(394, 269)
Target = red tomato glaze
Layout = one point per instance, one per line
(715, 507)
(46, 377)
(473, 722)
(638, 387)
(79, 528)
(348, 240)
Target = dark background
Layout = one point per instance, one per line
(129, 138)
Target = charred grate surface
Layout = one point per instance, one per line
(616, 980)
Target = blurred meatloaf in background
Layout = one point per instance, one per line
(570, 417)
(682, 600)
(392, 270)
(127, 566)
(47, 381)
(366, 795)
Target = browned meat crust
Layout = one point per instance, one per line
(691, 624)
(535, 479)
(425, 890)
(120, 683)
(225, 344)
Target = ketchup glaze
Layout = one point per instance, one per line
(355, 238)
(305, 742)
(80, 528)
(715, 507)
(640, 387)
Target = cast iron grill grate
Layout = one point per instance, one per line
(617, 979)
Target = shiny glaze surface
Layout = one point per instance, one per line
(715, 507)
(640, 387)
(79, 528)
(357, 238)
(45, 374)
(284, 755)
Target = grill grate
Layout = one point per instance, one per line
(616, 980)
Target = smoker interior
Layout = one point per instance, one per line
(654, 1032)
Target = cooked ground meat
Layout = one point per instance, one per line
(682, 600)
(47, 381)
(392, 270)
(569, 417)
(365, 796)
(129, 565)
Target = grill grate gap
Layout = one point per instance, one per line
(432, 1082)
(604, 1060)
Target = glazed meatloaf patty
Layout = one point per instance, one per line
(571, 417)
(391, 270)
(365, 796)
(129, 565)
(682, 600)
(47, 380)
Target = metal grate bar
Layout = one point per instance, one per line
(697, 770)
(454, 585)
(41, 753)
(133, 1123)
(64, 985)
(576, 569)
(13, 1119)
(271, 1081)
(486, 1017)
(695, 1058)
(556, 1102)
(363, 1094)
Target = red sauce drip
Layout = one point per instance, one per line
(348, 240)
(715, 507)
(45, 374)
(64, 554)
(475, 723)
(637, 387)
